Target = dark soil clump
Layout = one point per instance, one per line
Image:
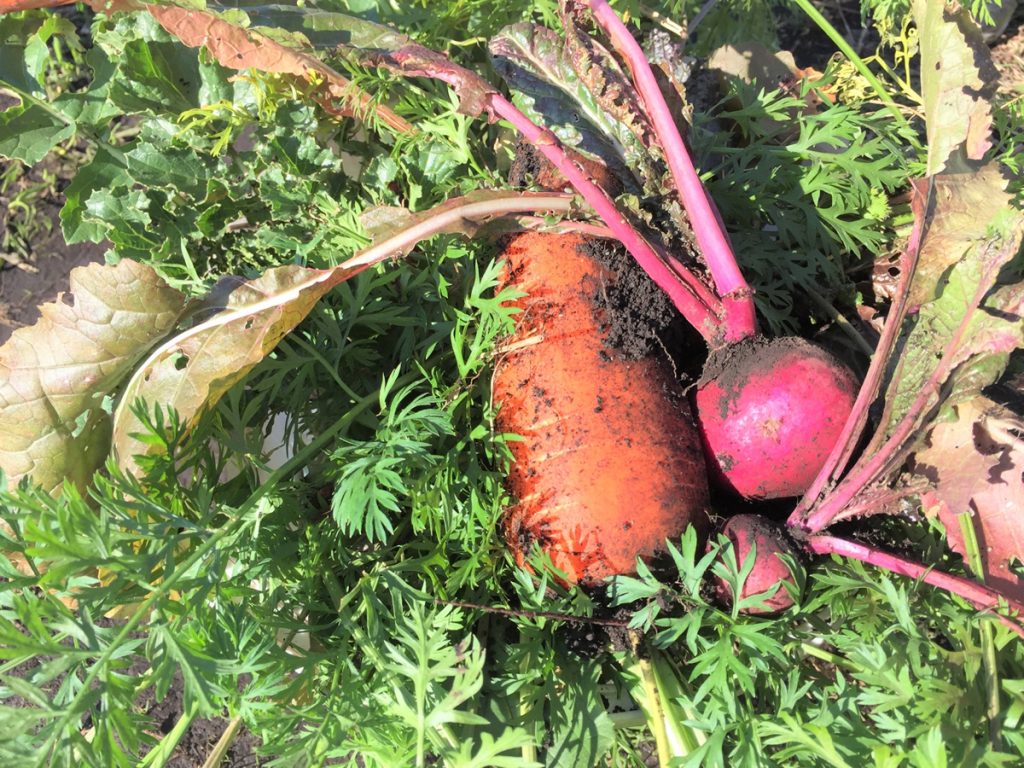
(640, 315)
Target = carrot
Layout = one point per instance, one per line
(610, 464)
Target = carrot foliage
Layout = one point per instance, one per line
(264, 471)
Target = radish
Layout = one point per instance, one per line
(753, 532)
(770, 414)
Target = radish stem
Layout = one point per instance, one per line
(681, 287)
(981, 597)
(737, 297)
(875, 464)
(855, 422)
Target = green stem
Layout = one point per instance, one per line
(332, 371)
(833, 34)
(988, 645)
(832, 658)
(655, 715)
(841, 322)
(161, 753)
(529, 750)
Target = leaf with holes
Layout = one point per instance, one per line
(244, 321)
(55, 374)
(958, 80)
(976, 465)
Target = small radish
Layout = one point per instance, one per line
(744, 532)
(770, 413)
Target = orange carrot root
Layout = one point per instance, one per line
(610, 464)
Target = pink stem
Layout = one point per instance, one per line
(737, 297)
(840, 456)
(680, 287)
(981, 597)
(869, 469)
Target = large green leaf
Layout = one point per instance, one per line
(229, 40)
(55, 374)
(28, 132)
(105, 172)
(161, 78)
(16, 33)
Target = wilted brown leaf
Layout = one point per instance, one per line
(977, 466)
(965, 201)
(194, 369)
(55, 374)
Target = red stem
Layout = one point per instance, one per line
(683, 288)
(870, 468)
(981, 597)
(730, 284)
(840, 456)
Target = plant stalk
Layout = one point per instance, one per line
(220, 749)
(737, 298)
(686, 291)
(981, 597)
(876, 463)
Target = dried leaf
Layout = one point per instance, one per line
(238, 47)
(957, 81)
(472, 215)
(55, 374)
(242, 321)
(414, 60)
(9, 6)
(976, 465)
(194, 369)
(973, 324)
(600, 74)
(753, 63)
(963, 203)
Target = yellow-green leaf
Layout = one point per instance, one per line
(55, 374)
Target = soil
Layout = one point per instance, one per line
(35, 259)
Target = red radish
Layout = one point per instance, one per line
(770, 414)
(610, 464)
(752, 531)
